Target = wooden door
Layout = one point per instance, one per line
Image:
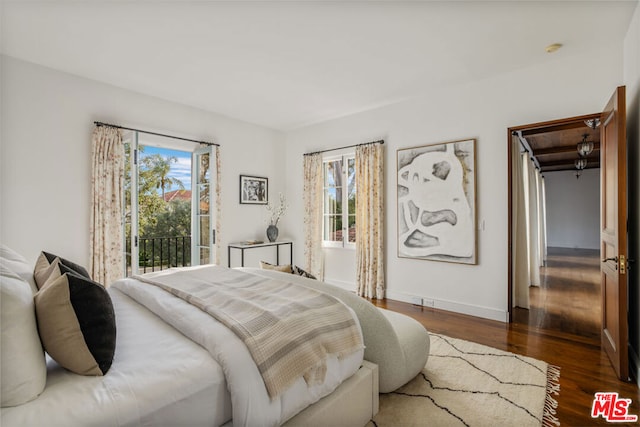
(613, 232)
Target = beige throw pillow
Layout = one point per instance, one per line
(283, 268)
(76, 321)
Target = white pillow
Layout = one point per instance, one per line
(10, 254)
(23, 367)
(18, 264)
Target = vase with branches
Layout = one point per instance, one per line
(275, 213)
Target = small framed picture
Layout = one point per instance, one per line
(254, 190)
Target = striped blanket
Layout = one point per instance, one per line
(288, 329)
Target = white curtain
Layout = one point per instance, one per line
(370, 220)
(542, 220)
(533, 225)
(107, 195)
(529, 249)
(519, 251)
(313, 203)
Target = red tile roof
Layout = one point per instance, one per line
(177, 195)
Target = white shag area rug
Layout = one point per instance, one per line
(468, 384)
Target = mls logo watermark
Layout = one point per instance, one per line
(612, 408)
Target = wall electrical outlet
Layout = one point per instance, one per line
(428, 302)
(415, 300)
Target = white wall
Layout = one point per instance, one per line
(632, 81)
(562, 87)
(47, 116)
(47, 120)
(573, 209)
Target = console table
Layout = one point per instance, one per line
(245, 246)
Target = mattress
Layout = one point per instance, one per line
(158, 377)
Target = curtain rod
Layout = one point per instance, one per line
(155, 133)
(348, 146)
(524, 144)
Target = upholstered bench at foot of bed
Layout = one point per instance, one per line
(414, 343)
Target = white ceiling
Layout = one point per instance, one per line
(285, 64)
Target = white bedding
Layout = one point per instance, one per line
(251, 405)
(178, 365)
(158, 377)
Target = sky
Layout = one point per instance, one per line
(181, 169)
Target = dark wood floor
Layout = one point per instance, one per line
(569, 298)
(562, 328)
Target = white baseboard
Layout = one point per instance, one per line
(634, 365)
(456, 307)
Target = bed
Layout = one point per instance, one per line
(167, 368)
(174, 364)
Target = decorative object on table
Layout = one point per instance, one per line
(254, 190)
(437, 202)
(252, 242)
(276, 213)
(272, 233)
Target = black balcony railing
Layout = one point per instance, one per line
(159, 253)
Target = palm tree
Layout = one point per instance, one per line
(159, 167)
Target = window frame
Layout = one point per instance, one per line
(344, 158)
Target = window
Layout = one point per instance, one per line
(339, 195)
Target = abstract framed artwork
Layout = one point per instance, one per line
(254, 190)
(437, 202)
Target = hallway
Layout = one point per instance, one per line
(568, 299)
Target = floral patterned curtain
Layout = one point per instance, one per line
(107, 194)
(312, 196)
(370, 220)
(217, 195)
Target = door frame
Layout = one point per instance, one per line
(510, 133)
(194, 151)
(210, 184)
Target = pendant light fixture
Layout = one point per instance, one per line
(592, 123)
(585, 147)
(580, 165)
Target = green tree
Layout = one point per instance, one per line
(156, 169)
(156, 217)
(153, 175)
(174, 220)
(173, 226)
